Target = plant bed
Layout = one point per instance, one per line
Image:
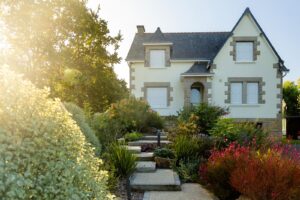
(163, 157)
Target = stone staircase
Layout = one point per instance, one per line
(147, 177)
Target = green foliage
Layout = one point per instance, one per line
(291, 96)
(79, 116)
(164, 153)
(43, 153)
(191, 147)
(188, 170)
(207, 115)
(133, 136)
(226, 131)
(125, 116)
(63, 45)
(105, 129)
(122, 160)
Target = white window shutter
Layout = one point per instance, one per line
(236, 93)
(244, 51)
(157, 97)
(157, 58)
(252, 93)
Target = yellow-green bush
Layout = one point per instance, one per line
(43, 153)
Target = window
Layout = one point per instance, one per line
(157, 58)
(252, 93)
(244, 51)
(157, 97)
(236, 93)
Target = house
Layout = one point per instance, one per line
(239, 69)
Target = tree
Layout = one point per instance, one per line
(291, 96)
(64, 45)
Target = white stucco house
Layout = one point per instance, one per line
(239, 69)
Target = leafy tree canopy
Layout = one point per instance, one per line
(64, 45)
(291, 96)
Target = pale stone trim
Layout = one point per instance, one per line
(158, 85)
(167, 50)
(244, 81)
(189, 81)
(255, 41)
(131, 78)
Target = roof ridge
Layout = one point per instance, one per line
(190, 32)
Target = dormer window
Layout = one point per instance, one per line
(244, 51)
(157, 59)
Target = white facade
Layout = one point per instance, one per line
(222, 68)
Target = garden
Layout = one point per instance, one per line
(66, 123)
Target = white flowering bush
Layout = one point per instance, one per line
(43, 153)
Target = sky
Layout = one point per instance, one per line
(280, 20)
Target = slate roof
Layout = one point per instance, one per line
(198, 68)
(192, 46)
(186, 46)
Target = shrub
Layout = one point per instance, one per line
(128, 115)
(133, 136)
(207, 115)
(188, 170)
(79, 116)
(191, 147)
(217, 171)
(106, 130)
(271, 175)
(188, 127)
(164, 153)
(227, 131)
(123, 161)
(43, 153)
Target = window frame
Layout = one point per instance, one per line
(237, 43)
(245, 80)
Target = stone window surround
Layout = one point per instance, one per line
(244, 82)
(167, 50)
(189, 81)
(245, 39)
(158, 85)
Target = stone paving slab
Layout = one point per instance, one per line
(142, 142)
(146, 166)
(160, 180)
(145, 156)
(190, 191)
(134, 149)
(154, 137)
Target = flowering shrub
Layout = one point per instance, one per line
(273, 175)
(217, 171)
(43, 153)
(189, 127)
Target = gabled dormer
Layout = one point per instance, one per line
(157, 50)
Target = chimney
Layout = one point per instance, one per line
(140, 29)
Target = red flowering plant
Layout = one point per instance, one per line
(273, 175)
(217, 171)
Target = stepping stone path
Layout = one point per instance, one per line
(146, 176)
(160, 184)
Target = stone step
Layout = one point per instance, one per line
(190, 191)
(133, 149)
(146, 166)
(142, 142)
(154, 137)
(145, 156)
(160, 180)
